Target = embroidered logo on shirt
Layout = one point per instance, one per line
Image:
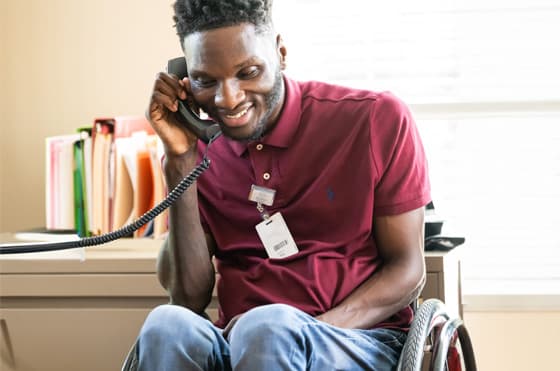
(330, 194)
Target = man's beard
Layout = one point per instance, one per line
(271, 100)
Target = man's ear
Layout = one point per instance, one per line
(282, 52)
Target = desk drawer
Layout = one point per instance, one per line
(55, 339)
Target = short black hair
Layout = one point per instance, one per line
(201, 15)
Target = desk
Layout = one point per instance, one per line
(61, 314)
(443, 279)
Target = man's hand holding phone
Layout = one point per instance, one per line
(164, 103)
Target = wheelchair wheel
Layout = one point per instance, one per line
(431, 313)
(447, 338)
(433, 330)
(131, 362)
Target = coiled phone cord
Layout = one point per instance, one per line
(185, 183)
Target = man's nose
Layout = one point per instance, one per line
(229, 95)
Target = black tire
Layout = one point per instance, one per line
(428, 315)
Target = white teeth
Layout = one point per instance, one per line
(237, 115)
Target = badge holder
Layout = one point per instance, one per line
(273, 230)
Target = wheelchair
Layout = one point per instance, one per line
(436, 341)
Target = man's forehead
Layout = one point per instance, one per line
(224, 42)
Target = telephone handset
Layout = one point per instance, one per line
(206, 130)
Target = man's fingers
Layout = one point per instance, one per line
(171, 84)
(163, 102)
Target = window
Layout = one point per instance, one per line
(482, 80)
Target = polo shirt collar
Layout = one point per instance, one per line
(286, 127)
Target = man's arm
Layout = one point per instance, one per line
(400, 241)
(184, 267)
(185, 262)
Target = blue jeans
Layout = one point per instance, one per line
(272, 337)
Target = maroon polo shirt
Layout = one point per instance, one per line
(336, 158)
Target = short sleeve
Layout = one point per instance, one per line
(402, 181)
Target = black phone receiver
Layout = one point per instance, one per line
(206, 130)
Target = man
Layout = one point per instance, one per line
(312, 209)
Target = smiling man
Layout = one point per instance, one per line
(312, 210)
(235, 75)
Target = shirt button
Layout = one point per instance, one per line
(266, 176)
(259, 147)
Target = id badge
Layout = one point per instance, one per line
(276, 237)
(262, 195)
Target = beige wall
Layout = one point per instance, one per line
(515, 341)
(63, 63)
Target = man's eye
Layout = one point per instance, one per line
(203, 82)
(249, 72)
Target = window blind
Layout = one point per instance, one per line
(482, 80)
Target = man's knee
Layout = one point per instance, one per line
(174, 338)
(168, 324)
(267, 322)
(266, 335)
